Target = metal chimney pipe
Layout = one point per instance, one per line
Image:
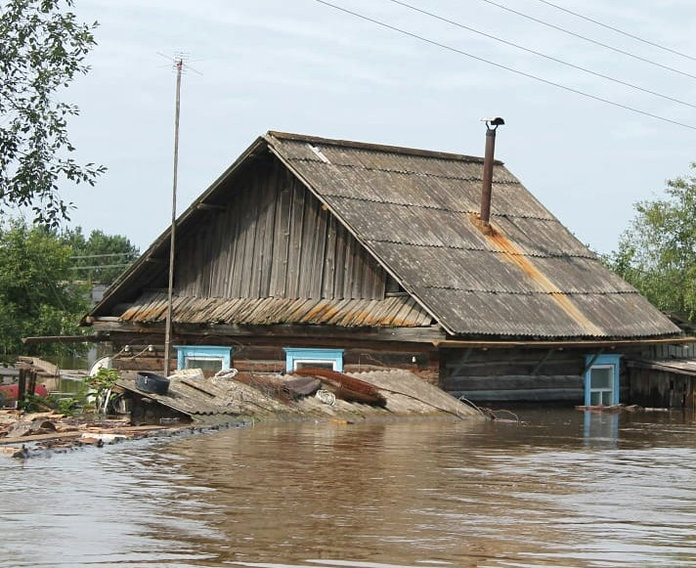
(488, 159)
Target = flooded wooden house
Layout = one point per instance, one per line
(354, 256)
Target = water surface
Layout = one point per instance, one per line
(563, 489)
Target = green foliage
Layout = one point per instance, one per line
(77, 403)
(657, 254)
(101, 383)
(36, 293)
(100, 258)
(103, 380)
(43, 50)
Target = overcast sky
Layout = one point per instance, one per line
(300, 66)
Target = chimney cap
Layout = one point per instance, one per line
(493, 123)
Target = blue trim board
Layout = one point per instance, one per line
(203, 351)
(293, 354)
(602, 360)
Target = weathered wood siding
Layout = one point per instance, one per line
(532, 375)
(272, 238)
(685, 351)
(662, 389)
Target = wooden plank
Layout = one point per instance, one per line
(319, 260)
(512, 382)
(295, 248)
(252, 248)
(348, 284)
(356, 278)
(339, 259)
(522, 395)
(268, 238)
(281, 238)
(239, 207)
(329, 265)
(40, 437)
(309, 247)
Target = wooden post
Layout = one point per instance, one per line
(172, 240)
(21, 387)
(31, 383)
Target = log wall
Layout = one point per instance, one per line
(514, 375)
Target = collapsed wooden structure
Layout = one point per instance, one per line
(359, 256)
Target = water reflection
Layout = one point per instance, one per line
(601, 429)
(557, 491)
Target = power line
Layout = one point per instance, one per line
(99, 266)
(585, 38)
(540, 54)
(100, 255)
(501, 66)
(618, 30)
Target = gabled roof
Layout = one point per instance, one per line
(416, 211)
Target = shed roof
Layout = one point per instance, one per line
(416, 212)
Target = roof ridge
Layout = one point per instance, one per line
(290, 136)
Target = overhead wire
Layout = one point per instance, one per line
(619, 30)
(540, 54)
(590, 40)
(505, 67)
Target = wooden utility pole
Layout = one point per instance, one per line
(179, 64)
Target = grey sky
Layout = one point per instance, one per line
(299, 66)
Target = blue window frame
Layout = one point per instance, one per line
(602, 380)
(206, 357)
(296, 358)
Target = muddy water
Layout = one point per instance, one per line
(563, 489)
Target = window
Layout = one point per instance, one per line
(206, 357)
(297, 358)
(602, 380)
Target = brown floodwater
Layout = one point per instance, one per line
(564, 488)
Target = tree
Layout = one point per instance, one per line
(37, 296)
(657, 253)
(43, 50)
(100, 258)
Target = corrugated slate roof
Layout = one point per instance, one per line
(416, 211)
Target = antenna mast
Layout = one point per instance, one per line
(178, 65)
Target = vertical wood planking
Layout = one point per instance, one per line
(268, 235)
(308, 268)
(329, 273)
(340, 260)
(274, 239)
(348, 265)
(295, 251)
(241, 235)
(281, 235)
(319, 238)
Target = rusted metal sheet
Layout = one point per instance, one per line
(400, 311)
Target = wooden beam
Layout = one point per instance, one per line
(560, 343)
(592, 361)
(210, 207)
(32, 340)
(402, 334)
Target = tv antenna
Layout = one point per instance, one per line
(179, 67)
